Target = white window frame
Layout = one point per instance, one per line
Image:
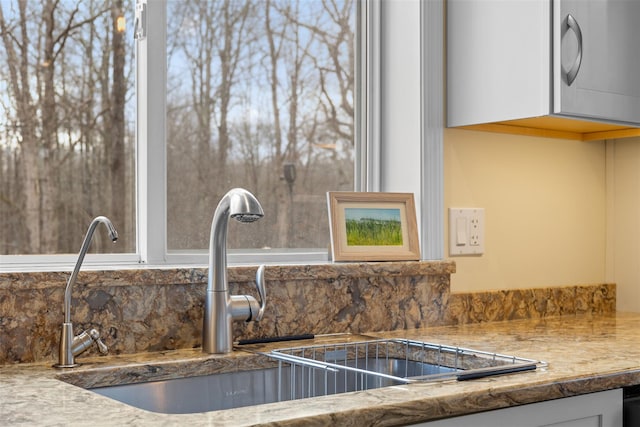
(368, 144)
(151, 146)
(432, 104)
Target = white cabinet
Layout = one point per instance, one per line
(603, 409)
(569, 65)
(596, 62)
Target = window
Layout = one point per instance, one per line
(66, 124)
(260, 95)
(257, 94)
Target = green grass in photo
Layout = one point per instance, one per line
(373, 227)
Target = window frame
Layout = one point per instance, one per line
(151, 142)
(151, 181)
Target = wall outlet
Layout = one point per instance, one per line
(466, 231)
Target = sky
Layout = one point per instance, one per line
(372, 213)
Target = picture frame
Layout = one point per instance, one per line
(368, 226)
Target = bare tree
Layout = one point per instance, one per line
(261, 86)
(116, 121)
(275, 42)
(35, 156)
(213, 45)
(52, 84)
(291, 51)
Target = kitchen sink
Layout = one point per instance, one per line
(247, 388)
(311, 371)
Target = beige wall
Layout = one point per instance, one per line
(623, 221)
(545, 209)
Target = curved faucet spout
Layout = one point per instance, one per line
(220, 308)
(113, 235)
(240, 205)
(70, 345)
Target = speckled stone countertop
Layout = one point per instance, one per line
(584, 354)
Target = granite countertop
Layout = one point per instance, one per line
(584, 354)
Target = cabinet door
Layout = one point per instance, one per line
(498, 60)
(603, 409)
(596, 60)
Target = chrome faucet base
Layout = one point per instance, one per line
(65, 355)
(70, 345)
(59, 366)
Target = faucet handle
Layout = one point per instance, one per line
(102, 347)
(261, 291)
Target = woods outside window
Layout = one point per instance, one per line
(257, 94)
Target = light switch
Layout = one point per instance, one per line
(461, 231)
(466, 231)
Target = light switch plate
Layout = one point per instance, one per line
(466, 231)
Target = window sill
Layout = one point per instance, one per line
(96, 274)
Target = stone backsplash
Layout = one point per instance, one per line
(151, 309)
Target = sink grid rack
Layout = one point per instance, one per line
(314, 370)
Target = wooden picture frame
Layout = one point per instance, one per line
(373, 226)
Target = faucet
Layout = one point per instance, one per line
(221, 309)
(71, 346)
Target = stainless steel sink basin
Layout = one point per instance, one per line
(255, 387)
(310, 371)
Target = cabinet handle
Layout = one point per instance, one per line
(573, 72)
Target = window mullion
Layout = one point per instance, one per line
(432, 123)
(151, 155)
(368, 148)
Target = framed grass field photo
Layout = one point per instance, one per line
(373, 226)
